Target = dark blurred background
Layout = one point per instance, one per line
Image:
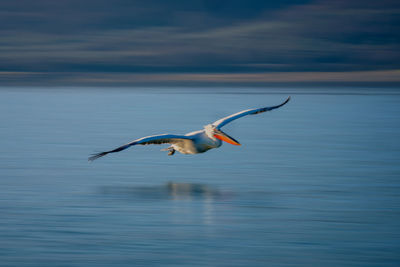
(155, 42)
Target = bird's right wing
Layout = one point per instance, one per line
(148, 140)
(222, 122)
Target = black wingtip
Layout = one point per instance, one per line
(287, 100)
(280, 105)
(96, 156)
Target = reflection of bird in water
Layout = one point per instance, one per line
(185, 189)
(172, 190)
(194, 142)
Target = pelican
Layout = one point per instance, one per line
(194, 142)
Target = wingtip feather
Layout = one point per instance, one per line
(278, 106)
(96, 156)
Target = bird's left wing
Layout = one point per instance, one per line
(222, 122)
(154, 139)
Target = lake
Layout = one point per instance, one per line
(315, 183)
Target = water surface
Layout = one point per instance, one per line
(315, 183)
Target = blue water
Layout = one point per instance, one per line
(315, 183)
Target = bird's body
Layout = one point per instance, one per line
(194, 142)
(198, 142)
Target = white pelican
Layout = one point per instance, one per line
(194, 142)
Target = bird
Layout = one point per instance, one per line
(194, 142)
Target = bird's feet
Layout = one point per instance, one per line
(170, 150)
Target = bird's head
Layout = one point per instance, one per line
(215, 133)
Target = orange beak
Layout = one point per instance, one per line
(226, 138)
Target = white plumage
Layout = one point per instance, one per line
(193, 142)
